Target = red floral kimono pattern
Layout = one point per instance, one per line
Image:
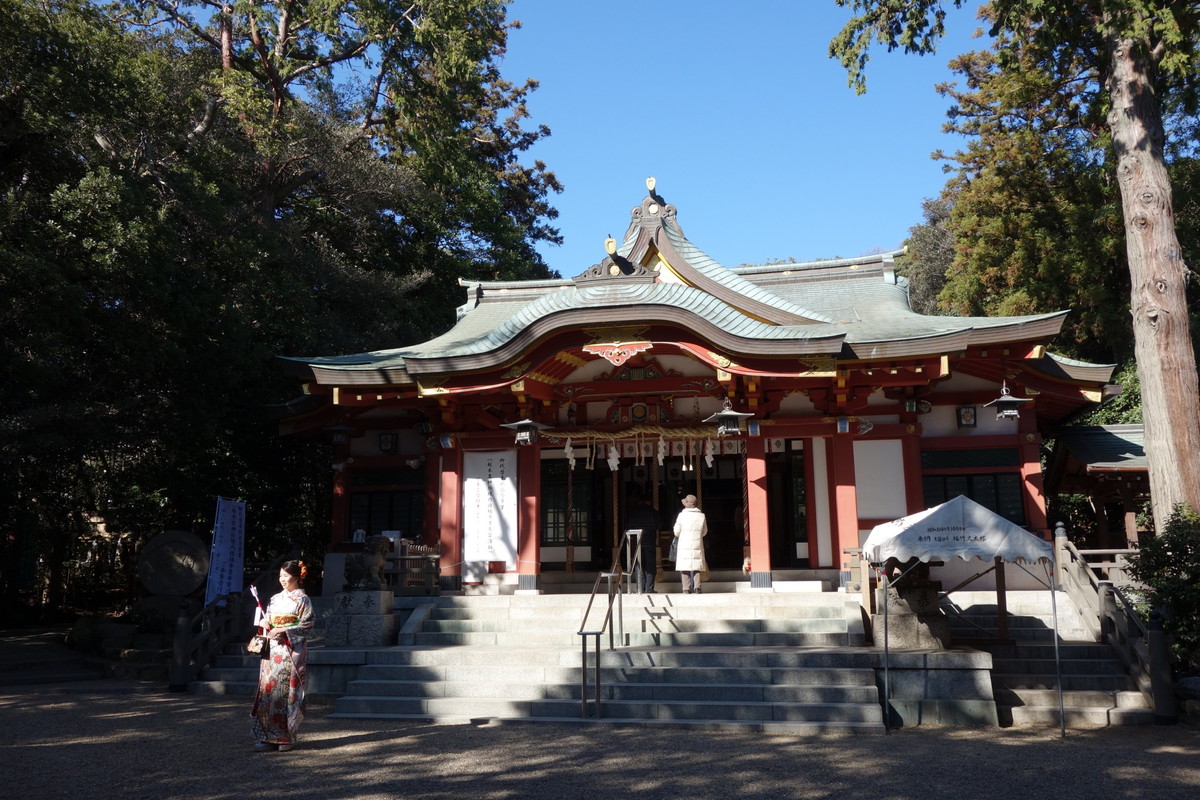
(283, 677)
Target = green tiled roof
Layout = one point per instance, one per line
(1106, 447)
(852, 307)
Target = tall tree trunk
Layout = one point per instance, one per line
(226, 26)
(1166, 363)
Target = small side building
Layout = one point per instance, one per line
(1107, 465)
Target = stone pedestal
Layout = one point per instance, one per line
(946, 687)
(361, 619)
(914, 620)
(334, 577)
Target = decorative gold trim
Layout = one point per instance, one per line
(613, 336)
(517, 370)
(617, 353)
(570, 359)
(429, 391)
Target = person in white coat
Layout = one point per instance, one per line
(690, 529)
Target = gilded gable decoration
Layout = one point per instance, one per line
(617, 353)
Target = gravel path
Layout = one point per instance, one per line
(139, 743)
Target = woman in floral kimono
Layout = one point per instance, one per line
(283, 677)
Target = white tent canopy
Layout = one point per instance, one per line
(959, 527)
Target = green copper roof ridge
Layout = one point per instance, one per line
(873, 258)
(718, 272)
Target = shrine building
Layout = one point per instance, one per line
(802, 403)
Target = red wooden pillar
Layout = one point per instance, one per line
(450, 517)
(432, 513)
(339, 522)
(756, 511)
(1031, 470)
(914, 488)
(529, 540)
(845, 496)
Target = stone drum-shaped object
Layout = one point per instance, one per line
(173, 563)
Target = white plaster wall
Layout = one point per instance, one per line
(943, 421)
(879, 478)
(955, 571)
(796, 404)
(408, 441)
(819, 507)
(683, 365)
(701, 408)
(958, 382)
(940, 421)
(878, 398)
(986, 423)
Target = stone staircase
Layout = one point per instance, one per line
(719, 581)
(1097, 692)
(771, 661)
(233, 673)
(788, 661)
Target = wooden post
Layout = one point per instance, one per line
(180, 674)
(529, 540)
(757, 512)
(1001, 601)
(450, 519)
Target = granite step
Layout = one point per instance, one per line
(449, 709)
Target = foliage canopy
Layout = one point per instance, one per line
(1169, 567)
(1112, 69)
(191, 190)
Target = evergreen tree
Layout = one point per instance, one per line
(172, 222)
(1137, 60)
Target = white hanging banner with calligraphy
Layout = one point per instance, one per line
(229, 538)
(489, 511)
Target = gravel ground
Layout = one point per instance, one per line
(138, 742)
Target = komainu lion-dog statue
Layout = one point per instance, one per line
(365, 570)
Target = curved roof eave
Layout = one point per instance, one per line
(909, 347)
(994, 330)
(785, 341)
(1070, 369)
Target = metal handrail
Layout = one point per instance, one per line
(614, 596)
(200, 638)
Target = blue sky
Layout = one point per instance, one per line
(748, 127)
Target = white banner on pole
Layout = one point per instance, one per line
(489, 510)
(229, 536)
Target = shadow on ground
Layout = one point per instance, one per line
(71, 743)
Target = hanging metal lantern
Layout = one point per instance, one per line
(1007, 406)
(527, 430)
(728, 421)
